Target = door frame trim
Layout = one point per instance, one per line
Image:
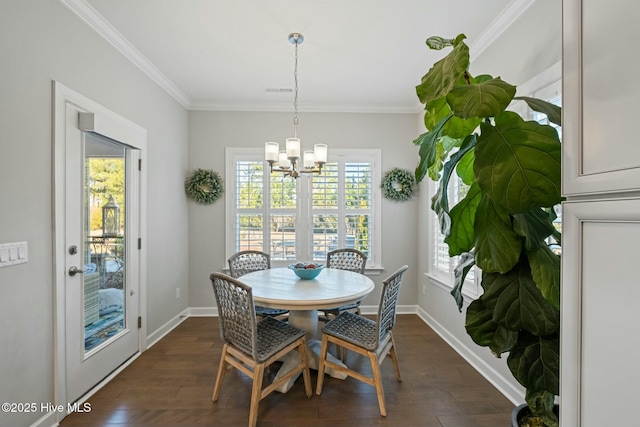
(107, 123)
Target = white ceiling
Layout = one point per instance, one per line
(357, 56)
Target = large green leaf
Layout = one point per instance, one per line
(553, 112)
(535, 362)
(517, 303)
(460, 128)
(443, 147)
(535, 226)
(440, 200)
(464, 170)
(465, 262)
(545, 269)
(487, 99)
(518, 163)
(444, 74)
(487, 333)
(498, 247)
(427, 142)
(462, 238)
(434, 111)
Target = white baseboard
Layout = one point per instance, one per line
(48, 420)
(401, 309)
(163, 330)
(508, 388)
(203, 312)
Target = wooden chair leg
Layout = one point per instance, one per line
(222, 369)
(394, 358)
(306, 376)
(256, 391)
(321, 361)
(375, 367)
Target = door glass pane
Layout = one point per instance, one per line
(104, 236)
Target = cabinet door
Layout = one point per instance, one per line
(600, 96)
(600, 317)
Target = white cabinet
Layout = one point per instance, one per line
(600, 96)
(600, 293)
(600, 342)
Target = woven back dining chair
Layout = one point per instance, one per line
(251, 346)
(345, 259)
(370, 338)
(245, 262)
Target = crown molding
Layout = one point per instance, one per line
(100, 25)
(355, 108)
(498, 26)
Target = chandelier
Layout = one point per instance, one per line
(288, 161)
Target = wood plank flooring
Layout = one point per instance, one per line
(171, 385)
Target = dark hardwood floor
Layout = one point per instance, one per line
(171, 385)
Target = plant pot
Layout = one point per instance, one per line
(521, 411)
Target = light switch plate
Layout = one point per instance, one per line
(13, 253)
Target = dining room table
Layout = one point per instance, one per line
(282, 288)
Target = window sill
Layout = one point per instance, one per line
(442, 284)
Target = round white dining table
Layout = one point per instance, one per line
(281, 288)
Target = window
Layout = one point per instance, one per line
(303, 219)
(442, 268)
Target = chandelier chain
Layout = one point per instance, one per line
(295, 97)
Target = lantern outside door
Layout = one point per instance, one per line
(111, 218)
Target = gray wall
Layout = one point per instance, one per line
(210, 132)
(528, 47)
(41, 41)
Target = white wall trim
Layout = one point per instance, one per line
(93, 19)
(169, 326)
(505, 386)
(48, 420)
(541, 80)
(316, 108)
(203, 312)
(509, 15)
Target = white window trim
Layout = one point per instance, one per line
(234, 154)
(471, 287)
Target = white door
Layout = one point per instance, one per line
(99, 270)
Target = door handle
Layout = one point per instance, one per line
(73, 270)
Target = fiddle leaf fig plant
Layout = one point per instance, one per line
(511, 171)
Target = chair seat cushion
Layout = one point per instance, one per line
(357, 330)
(273, 335)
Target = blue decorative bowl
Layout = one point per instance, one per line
(307, 273)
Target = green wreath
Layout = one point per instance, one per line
(204, 186)
(398, 184)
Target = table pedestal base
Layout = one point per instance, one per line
(307, 320)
